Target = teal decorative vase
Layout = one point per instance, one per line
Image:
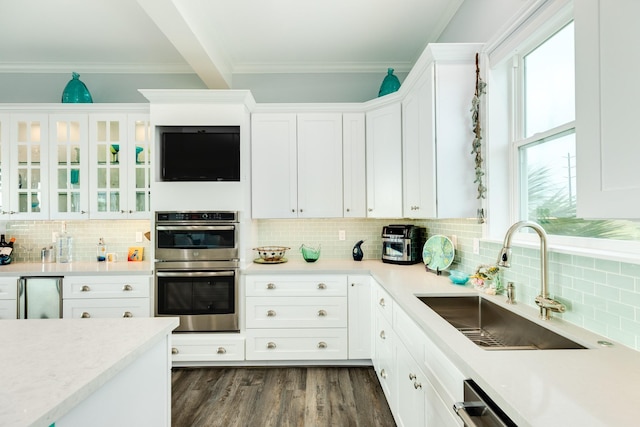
(390, 83)
(75, 91)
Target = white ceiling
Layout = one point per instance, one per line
(217, 38)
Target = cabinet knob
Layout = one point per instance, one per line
(271, 286)
(348, 210)
(301, 210)
(85, 315)
(322, 286)
(83, 212)
(322, 344)
(85, 288)
(174, 350)
(221, 350)
(383, 373)
(412, 376)
(322, 313)
(127, 288)
(381, 302)
(271, 345)
(417, 385)
(370, 209)
(271, 313)
(383, 335)
(127, 314)
(293, 210)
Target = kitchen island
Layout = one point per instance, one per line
(597, 386)
(98, 372)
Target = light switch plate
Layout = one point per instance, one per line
(342, 235)
(476, 246)
(138, 236)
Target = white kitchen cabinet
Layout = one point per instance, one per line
(196, 347)
(27, 187)
(607, 96)
(68, 164)
(296, 317)
(384, 161)
(106, 296)
(296, 165)
(8, 297)
(359, 322)
(438, 168)
(383, 359)
(5, 183)
(410, 389)
(120, 160)
(354, 186)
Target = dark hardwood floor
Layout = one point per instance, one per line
(282, 397)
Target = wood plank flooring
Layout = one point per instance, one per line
(282, 397)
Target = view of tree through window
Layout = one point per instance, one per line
(547, 154)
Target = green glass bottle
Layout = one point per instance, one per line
(390, 84)
(75, 91)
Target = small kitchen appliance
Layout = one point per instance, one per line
(402, 243)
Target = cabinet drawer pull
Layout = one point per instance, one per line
(383, 335)
(127, 314)
(127, 288)
(271, 345)
(85, 288)
(271, 286)
(322, 286)
(412, 376)
(174, 350)
(382, 303)
(417, 385)
(322, 344)
(322, 313)
(383, 373)
(221, 350)
(85, 315)
(271, 313)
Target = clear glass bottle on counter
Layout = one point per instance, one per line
(64, 246)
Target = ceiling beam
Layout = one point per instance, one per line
(210, 66)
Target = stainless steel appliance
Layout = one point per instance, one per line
(197, 270)
(402, 243)
(478, 410)
(40, 298)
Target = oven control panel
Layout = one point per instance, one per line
(213, 216)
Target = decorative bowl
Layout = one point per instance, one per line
(458, 277)
(310, 254)
(271, 253)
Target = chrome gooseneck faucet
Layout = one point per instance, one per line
(543, 301)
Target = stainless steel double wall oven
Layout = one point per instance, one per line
(196, 269)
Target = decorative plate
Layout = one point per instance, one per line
(263, 261)
(438, 252)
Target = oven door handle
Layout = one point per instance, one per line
(195, 227)
(195, 273)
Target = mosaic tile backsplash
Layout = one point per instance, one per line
(601, 296)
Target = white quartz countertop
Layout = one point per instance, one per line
(76, 268)
(599, 386)
(48, 366)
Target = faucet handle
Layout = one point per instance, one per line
(550, 304)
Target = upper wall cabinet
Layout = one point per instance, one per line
(438, 169)
(607, 94)
(354, 175)
(296, 165)
(384, 162)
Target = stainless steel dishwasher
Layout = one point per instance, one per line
(478, 410)
(40, 298)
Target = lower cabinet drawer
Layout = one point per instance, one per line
(301, 312)
(106, 308)
(297, 344)
(8, 309)
(206, 348)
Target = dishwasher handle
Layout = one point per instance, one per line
(479, 410)
(465, 410)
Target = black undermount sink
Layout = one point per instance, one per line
(492, 327)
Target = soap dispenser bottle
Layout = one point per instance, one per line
(101, 251)
(357, 251)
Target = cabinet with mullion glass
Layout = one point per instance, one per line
(139, 165)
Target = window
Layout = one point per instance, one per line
(546, 147)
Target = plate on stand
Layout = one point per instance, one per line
(438, 253)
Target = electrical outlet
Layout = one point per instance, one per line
(342, 235)
(138, 236)
(454, 240)
(54, 236)
(476, 246)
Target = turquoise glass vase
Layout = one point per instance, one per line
(390, 83)
(75, 91)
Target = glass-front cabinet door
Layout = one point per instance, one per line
(108, 157)
(68, 142)
(4, 165)
(29, 192)
(139, 151)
